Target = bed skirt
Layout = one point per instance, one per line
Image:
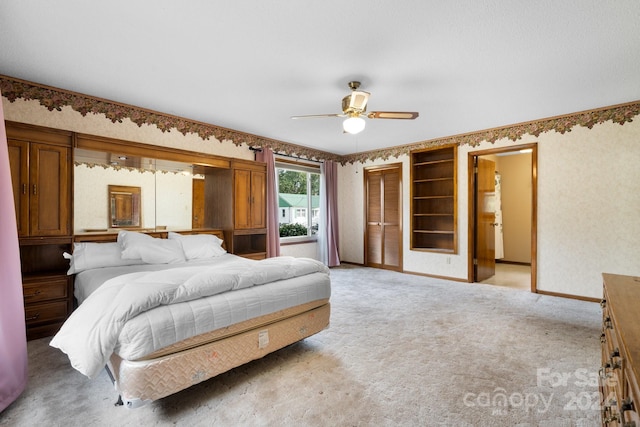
(196, 360)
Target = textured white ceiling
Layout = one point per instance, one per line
(250, 65)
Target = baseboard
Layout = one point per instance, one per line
(453, 279)
(561, 295)
(352, 263)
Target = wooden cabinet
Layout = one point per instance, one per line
(235, 201)
(433, 200)
(41, 173)
(250, 186)
(620, 372)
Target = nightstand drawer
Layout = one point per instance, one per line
(45, 290)
(45, 312)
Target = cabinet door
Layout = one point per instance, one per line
(242, 199)
(258, 199)
(249, 199)
(19, 165)
(49, 187)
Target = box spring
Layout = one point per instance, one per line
(199, 358)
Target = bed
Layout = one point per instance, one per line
(163, 314)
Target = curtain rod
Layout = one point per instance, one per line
(288, 155)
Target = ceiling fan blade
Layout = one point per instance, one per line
(403, 115)
(317, 116)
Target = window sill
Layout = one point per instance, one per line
(285, 241)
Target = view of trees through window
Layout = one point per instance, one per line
(298, 202)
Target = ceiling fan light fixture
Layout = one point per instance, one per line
(353, 125)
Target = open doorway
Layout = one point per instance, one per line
(502, 216)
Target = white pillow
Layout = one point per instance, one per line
(198, 246)
(130, 240)
(149, 249)
(96, 255)
(158, 251)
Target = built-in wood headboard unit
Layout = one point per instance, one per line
(100, 237)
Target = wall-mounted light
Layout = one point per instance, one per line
(353, 125)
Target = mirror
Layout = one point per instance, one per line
(124, 206)
(150, 194)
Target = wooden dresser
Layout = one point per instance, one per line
(620, 371)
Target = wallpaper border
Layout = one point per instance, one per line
(55, 98)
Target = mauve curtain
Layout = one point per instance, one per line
(328, 231)
(13, 341)
(273, 227)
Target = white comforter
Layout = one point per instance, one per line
(90, 334)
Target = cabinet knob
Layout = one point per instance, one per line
(35, 294)
(613, 365)
(627, 405)
(607, 323)
(34, 317)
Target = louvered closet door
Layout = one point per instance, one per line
(383, 239)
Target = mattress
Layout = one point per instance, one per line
(166, 325)
(86, 282)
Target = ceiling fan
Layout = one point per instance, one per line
(354, 107)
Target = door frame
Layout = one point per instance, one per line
(366, 170)
(534, 207)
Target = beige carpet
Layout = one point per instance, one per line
(401, 350)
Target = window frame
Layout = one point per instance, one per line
(308, 168)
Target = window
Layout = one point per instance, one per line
(298, 194)
(301, 215)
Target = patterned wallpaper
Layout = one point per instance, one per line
(55, 99)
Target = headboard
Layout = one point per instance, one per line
(103, 237)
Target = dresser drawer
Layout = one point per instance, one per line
(45, 312)
(620, 340)
(45, 290)
(629, 405)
